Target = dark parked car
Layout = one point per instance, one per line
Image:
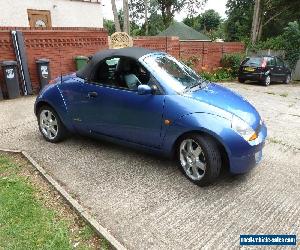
(264, 69)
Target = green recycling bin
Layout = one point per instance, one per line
(81, 61)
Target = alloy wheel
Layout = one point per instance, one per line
(48, 124)
(268, 80)
(192, 159)
(288, 79)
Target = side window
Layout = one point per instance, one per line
(153, 83)
(280, 62)
(122, 72)
(271, 61)
(101, 74)
(104, 72)
(130, 74)
(112, 65)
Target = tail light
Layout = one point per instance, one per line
(264, 63)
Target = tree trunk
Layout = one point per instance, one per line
(260, 27)
(146, 17)
(116, 17)
(126, 17)
(256, 21)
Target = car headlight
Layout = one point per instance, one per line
(243, 129)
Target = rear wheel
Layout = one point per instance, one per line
(199, 159)
(287, 79)
(50, 125)
(267, 81)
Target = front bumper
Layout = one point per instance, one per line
(251, 157)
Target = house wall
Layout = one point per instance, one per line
(64, 13)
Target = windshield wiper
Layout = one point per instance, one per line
(200, 84)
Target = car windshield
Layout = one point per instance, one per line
(180, 77)
(253, 61)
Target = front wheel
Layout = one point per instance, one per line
(50, 125)
(199, 159)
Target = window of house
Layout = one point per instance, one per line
(39, 18)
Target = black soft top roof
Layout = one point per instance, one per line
(133, 52)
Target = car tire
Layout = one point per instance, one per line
(199, 159)
(241, 80)
(288, 78)
(267, 81)
(50, 125)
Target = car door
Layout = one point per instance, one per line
(122, 113)
(271, 67)
(126, 115)
(280, 70)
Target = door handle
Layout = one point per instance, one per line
(92, 94)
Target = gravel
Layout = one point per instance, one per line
(145, 201)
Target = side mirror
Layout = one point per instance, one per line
(144, 90)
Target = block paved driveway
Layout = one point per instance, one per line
(145, 201)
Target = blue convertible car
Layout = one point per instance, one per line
(149, 100)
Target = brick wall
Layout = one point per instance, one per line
(208, 54)
(58, 45)
(61, 45)
(165, 44)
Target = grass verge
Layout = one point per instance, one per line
(34, 216)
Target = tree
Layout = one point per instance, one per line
(156, 24)
(146, 17)
(110, 26)
(139, 12)
(259, 19)
(126, 17)
(161, 13)
(210, 20)
(205, 22)
(277, 14)
(239, 21)
(291, 37)
(256, 21)
(218, 33)
(169, 8)
(116, 18)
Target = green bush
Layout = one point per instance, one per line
(221, 74)
(232, 61)
(291, 44)
(273, 43)
(191, 62)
